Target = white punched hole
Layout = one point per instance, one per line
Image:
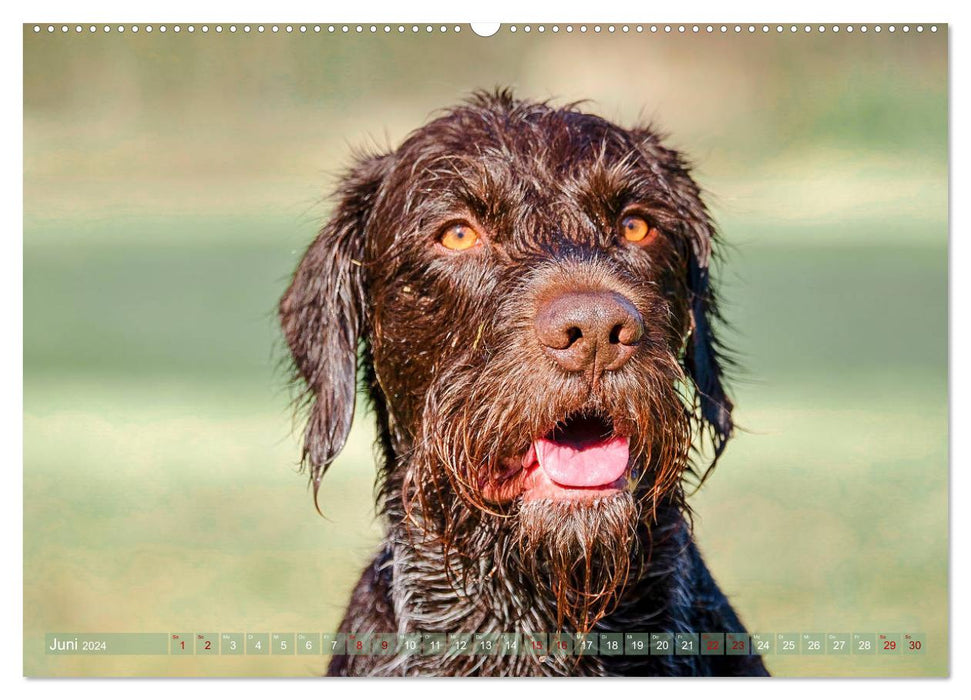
(485, 28)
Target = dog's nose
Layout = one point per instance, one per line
(589, 330)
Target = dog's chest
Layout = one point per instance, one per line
(427, 598)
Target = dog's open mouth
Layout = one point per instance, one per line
(581, 457)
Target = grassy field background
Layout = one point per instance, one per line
(171, 183)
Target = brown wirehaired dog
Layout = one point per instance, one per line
(527, 289)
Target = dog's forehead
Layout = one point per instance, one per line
(524, 151)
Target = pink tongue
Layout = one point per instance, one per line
(585, 464)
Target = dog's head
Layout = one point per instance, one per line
(528, 288)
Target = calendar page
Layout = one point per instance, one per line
(508, 350)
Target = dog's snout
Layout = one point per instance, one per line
(585, 331)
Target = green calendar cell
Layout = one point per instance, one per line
(257, 643)
(586, 644)
(864, 643)
(662, 643)
(486, 644)
(889, 643)
(461, 643)
(913, 643)
(561, 644)
(283, 643)
(712, 644)
(333, 643)
(813, 644)
(787, 643)
(838, 643)
(763, 643)
(207, 643)
(308, 642)
(510, 644)
(686, 644)
(737, 644)
(433, 644)
(410, 643)
(359, 643)
(231, 643)
(536, 643)
(611, 643)
(384, 644)
(182, 643)
(637, 643)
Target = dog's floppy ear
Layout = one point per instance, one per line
(322, 314)
(703, 354)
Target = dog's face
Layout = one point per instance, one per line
(530, 286)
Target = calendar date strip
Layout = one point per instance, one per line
(538, 644)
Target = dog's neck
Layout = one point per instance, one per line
(437, 592)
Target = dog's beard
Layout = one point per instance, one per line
(580, 555)
(583, 554)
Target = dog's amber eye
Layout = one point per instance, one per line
(459, 237)
(637, 230)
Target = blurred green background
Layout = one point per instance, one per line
(172, 182)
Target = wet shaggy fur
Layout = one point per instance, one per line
(447, 351)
